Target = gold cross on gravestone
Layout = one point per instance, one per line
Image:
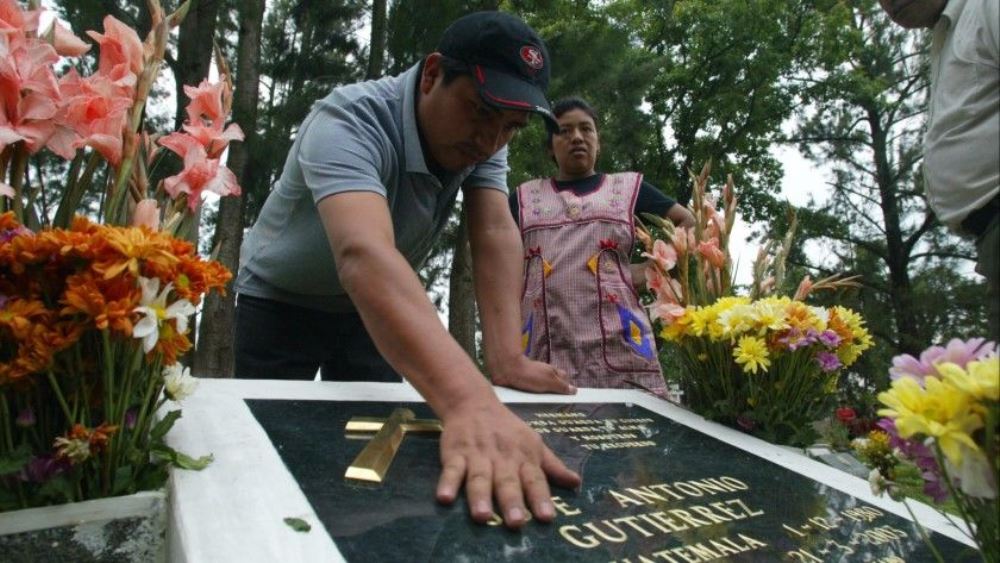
(373, 461)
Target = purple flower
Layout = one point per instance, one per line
(793, 340)
(41, 469)
(8, 235)
(921, 456)
(828, 361)
(745, 422)
(829, 338)
(131, 417)
(961, 353)
(3, 300)
(956, 352)
(25, 418)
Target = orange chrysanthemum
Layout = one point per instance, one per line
(127, 248)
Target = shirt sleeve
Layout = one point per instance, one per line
(491, 174)
(340, 153)
(652, 200)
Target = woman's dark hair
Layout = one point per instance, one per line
(559, 107)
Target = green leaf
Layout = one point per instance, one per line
(298, 524)
(185, 461)
(58, 489)
(15, 460)
(164, 426)
(151, 477)
(123, 480)
(178, 459)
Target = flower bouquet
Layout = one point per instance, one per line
(764, 363)
(943, 415)
(94, 313)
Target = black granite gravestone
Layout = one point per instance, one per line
(653, 490)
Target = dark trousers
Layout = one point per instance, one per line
(275, 340)
(988, 248)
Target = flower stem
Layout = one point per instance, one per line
(6, 415)
(923, 533)
(59, 396)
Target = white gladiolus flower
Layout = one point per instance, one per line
(177, 382)
(156, 311)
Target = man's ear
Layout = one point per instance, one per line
(430, 72)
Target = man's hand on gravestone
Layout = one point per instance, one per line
(528, 375)
(497, 455)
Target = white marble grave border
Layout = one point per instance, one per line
(234, 509)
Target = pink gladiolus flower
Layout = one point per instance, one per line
(201, 173)
(214, 138)
(666, 311)
(65, 42)
(32, 122)
(663, 254)
(16, 22)
(93, 113)
(147, 214)
(121, 49)
(805, 287)
(767, 284)
(206, 103)
(682, 240)
(207, 115)
(654, 279)
(6, 190)
(180, 143)
(710, 251)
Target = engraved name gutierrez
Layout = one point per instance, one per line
(711, 509)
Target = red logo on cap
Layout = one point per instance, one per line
(532, 57)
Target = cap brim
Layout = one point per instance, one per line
(507, 91)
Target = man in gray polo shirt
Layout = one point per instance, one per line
(327, 278)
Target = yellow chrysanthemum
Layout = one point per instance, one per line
(770, 315)
(937, 410)
(736, 320)
(751, 353)
(681, 327)
(980, 379)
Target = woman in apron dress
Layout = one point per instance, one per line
(579, 306)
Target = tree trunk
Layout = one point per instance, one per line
(461, 297)
(898, 257)
(194, 51)
(214, 356)
(376, 47)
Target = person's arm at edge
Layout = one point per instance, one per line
(497, 262)
(483, 443)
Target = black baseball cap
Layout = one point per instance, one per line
(508, 60)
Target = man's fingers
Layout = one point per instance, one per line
(536, 493)
(507, 488)
(557, 471)
(479, 489)
(452, 475)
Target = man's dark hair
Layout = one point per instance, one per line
(569, 104)
(452, 68)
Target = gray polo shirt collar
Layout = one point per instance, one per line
(415, 162)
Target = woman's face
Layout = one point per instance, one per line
(576, 145)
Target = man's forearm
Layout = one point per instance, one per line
(497, 274)
(406, 329)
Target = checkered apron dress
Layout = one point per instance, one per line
(579, 309)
